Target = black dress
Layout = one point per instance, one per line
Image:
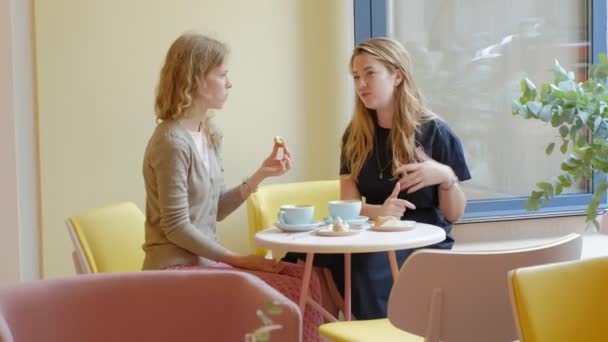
(371, 274)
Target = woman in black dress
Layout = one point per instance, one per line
(402, 158)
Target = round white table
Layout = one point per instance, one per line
(365, 242)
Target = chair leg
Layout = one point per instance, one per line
(77, 263)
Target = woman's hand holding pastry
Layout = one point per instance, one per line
(274, 166)
(427, 172)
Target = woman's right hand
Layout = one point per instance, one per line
(394, 206)
(254, 263)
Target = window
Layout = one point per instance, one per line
(469, 57)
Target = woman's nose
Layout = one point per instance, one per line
(360, 84)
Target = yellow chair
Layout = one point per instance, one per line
(453, 296)
(263, 205)
(108, 239)
(561, 302)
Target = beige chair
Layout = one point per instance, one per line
(453, 296)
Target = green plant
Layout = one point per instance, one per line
(579, 111)
(262, 334)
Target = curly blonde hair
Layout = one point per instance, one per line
(191, 56)
(410, 110)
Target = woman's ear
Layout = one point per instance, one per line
(200, 82)
(398, 77)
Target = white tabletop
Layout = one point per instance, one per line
(366, 241)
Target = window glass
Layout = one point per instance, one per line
(469, 57)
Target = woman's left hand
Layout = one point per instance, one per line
(271, 166)
(427, 172)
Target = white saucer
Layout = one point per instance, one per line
(395, 226)
(362, 226)
(297, 227)
(359, 220)
(330, 232)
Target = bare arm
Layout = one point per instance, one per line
(393, 206)
(231, 199)
(430, 172)
(452, 199)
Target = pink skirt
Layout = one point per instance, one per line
(289, 283)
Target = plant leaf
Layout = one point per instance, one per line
(534, 107)
(545, 113)
(549, 148)
(583, 115)
(564, 147)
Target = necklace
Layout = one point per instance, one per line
(381, 174)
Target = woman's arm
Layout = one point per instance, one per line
(392, 206)
(429, 172)
(170, 163)
(230, 200)
(452, 199)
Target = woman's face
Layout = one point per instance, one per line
(215, 88)
(374, 83)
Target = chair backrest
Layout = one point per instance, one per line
(201, 305)
(561, 302)
(464, 296)
(263, 205)
(108, 239)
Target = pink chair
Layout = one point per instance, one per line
(209, 305)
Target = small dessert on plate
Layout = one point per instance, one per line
(381, 220)
(391, 224)
(340, 226)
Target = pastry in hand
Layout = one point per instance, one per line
(279, 140)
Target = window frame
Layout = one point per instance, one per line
(371, 20)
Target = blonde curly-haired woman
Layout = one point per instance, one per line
(183, 174)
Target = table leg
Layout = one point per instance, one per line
(347, 282)
(392, 259)
(306, 281)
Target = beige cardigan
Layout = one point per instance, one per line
(183, 200)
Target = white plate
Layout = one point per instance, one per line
(395, 226)
(297, 227)
(330, 232)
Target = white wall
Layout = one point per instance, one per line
(9, 244)
(97, 66)
(19, 245)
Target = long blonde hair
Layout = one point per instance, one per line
(410, 110)
(191, 56)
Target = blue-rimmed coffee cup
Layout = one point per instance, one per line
(345, 209)
(296, 214)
